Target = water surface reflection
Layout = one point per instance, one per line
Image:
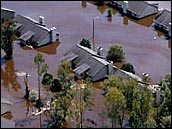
(9, 77)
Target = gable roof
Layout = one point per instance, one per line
(82, 68)
(27, 35)
(142, 8)
(164, 18)
(86, 56)
(29, 24)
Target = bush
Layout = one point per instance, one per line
(56, 86)
(115, 53)
(85, 43)
(47, 79)
(128, 67)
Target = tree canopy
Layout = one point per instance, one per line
(85, 43)
(128, 67)
(7, 32)
(115, 53)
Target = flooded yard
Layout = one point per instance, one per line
(73, 21)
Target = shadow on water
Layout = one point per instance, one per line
(147, 21)
(48, 49)
(9, 77)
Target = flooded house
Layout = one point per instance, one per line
(163, 22)
(88, 63)
(35, 33)
(135, 9)
(6, 14)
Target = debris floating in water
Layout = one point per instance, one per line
(20, 74)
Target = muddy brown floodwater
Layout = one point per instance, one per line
(73, 21)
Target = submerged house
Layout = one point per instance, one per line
(6, 14)
(135, 9)
(163, 22)
(87, 63)
(35, 33)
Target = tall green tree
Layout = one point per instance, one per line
(113, 81)
(115, 104)
(41, 69)
(163, 118)
(7, 32)
(62, 99)
(82, 101)
(115, 53)
(142, 108)
(130, 87)
(127, 87)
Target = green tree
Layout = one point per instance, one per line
(113, 81)
(127, 87)
(116, 105)
(42, 68)
(128, 67)
(166, 122)
(82, 101)
(85, 43)
(62, 99)
(47, 79)
(7, 33)
(165, 107)
(115, 53)
(163, 118)
(141, 108)
(56, 86)
(150, 123)
(130, 87)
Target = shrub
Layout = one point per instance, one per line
(115, 53)
(56, 86)
(85, 43)
(47, 79)
(128, 67)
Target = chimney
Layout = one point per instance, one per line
(53, 36)
(100, 51)
(41, 20)
(125, 7)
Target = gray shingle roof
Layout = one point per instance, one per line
(88, 56)
(142, 8)
(28, 24)
(26, 36)
(164, 18)
(81, 69)
(69, 57)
